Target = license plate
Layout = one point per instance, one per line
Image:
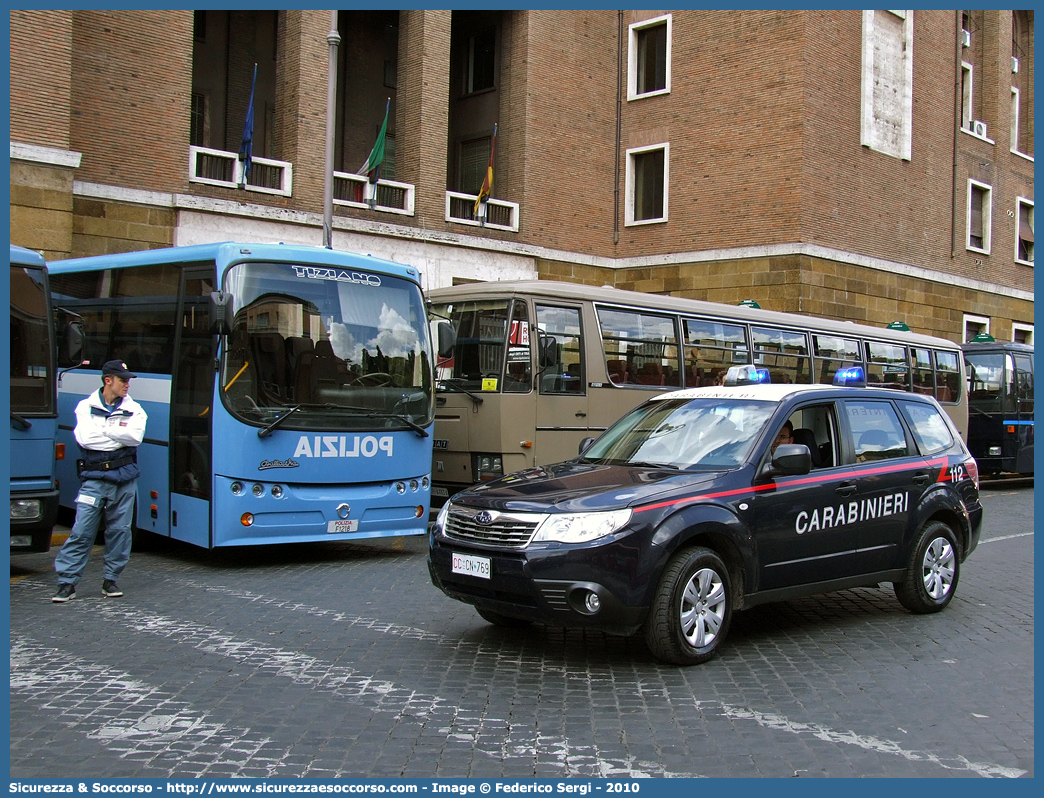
(342, 525)
(441, 492)
(471, 566)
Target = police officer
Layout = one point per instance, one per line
(109, 428)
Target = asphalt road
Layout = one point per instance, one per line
(343, 660)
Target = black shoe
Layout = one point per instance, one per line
(66, 591)
(111, 589)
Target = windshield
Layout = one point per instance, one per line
(349, 351)
(484, 328)
(694, 434)
(31, 369)
(990, 386)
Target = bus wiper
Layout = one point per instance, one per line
(22, 423)
(413, 425)
(448, 385)
(266, 431)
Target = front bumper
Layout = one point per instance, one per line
(548, 585)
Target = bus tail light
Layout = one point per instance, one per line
(59, 451)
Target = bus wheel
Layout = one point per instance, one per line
(497, 619)
(932, 573)
(690, 614)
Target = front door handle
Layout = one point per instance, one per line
(845, 489)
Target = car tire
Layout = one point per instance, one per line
(505, 621)
(933, 571)
(691, 611)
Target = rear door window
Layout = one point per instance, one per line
(930, 429)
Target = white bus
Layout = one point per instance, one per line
(541, 365)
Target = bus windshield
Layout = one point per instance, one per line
(990, 388)
(341, 350)
(691, 434)
(486, 331)
(31, 367)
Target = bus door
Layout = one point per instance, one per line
(562, 400)
(191, 412)
(1023, 420)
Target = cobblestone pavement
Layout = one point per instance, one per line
(343, 660)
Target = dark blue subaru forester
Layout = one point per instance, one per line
(705, 501)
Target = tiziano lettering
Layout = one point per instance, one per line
(830, 517)
(343, 446)
(340, 275)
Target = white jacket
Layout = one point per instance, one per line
(101, 431)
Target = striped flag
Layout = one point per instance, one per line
(487, 182)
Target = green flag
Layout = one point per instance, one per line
(372, 167)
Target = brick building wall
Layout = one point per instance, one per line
(767, 173)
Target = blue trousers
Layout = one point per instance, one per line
(96, 497)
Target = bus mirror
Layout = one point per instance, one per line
(220, 317)
(74, 340)
(548, 351)
(447, 339)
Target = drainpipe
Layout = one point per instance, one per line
(333, 38)
(619, 111)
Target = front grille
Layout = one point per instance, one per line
(492, 528)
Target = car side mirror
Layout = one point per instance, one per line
(585, 444)
(789, 459)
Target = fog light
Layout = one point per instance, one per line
(277, 491)
(400, 487)
(592, 603)
(246, 519)
(995, 451)
(258, 489)
(237, 488)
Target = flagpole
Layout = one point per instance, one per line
(333, 38)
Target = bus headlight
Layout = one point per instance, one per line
(258, 489)
(485, 467)
(581, 527)
(26, 509)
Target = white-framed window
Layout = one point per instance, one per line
(975, 325)
(649, 57)
(887, 83)
(1024, 231)
(1016, 123)
(967, 78)
(979, 216)
(646, 184)
(1022, 333)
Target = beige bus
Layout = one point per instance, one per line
(540, 365)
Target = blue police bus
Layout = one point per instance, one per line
(289, 389)
(1000, 404)
(34, 413)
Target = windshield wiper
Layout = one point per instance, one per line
(266, 431)
(22, 423)
(448, 385)
(641, 464)
(413, 425)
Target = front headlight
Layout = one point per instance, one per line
(582, 527)
(440, 519)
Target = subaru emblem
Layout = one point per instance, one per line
(485, 518)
